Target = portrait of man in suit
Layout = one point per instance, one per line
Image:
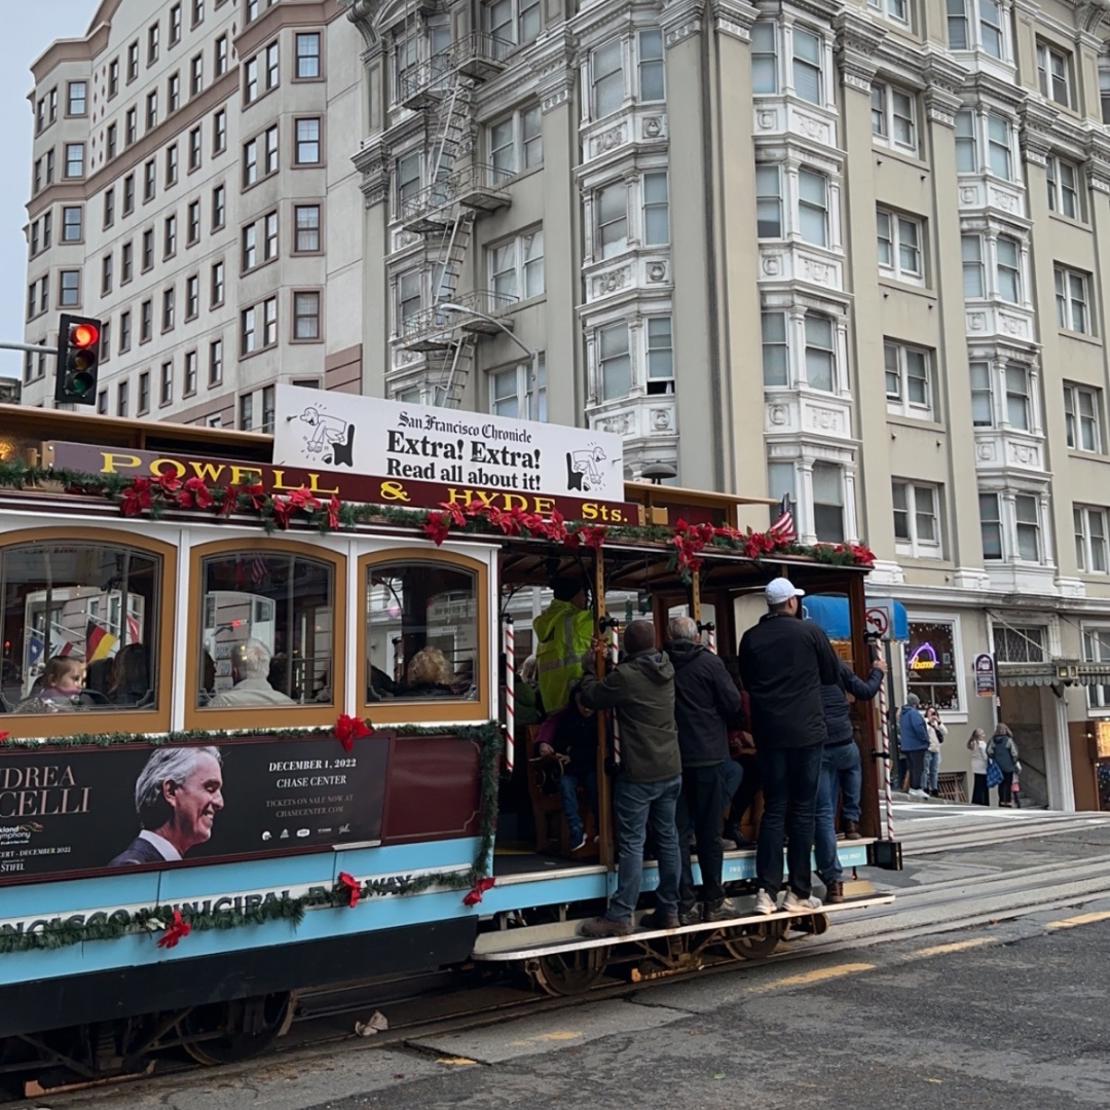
(177, 797)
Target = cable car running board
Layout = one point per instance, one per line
(549, 940)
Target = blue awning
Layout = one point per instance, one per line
(831, 613)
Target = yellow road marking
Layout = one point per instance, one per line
(953, 946)
(808, 978)
(1081, 919)
(456, 1061)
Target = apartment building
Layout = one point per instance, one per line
(853, 250)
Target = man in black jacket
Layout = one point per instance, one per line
(784, 662)
(706, 705)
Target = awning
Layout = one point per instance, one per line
(831, 613)
(1054, 672)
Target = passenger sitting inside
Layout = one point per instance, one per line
(428, 675)
(63, 682)
(250, 665)
(130, 682)
(571, 737)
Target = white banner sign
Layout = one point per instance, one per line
(315, 429)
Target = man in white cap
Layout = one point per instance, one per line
(784, 662)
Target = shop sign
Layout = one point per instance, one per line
(1102, 739)
(986, 682)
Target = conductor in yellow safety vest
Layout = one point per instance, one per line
(564, 632)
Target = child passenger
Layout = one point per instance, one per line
(571, 737)
(63, 682)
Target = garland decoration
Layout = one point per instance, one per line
(175, 931)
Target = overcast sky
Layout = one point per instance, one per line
(29, 28)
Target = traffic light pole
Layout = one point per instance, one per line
(29, 347)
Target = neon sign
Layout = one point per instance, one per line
(924, 658)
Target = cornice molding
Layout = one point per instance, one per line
(857, 40)
(734, 18)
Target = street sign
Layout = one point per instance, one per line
(880, 618)
(986, 682)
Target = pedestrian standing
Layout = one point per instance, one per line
(1004, 752)
(914, 739)
(977, 745)
(784, 662)
(641, 690)
(937, 732)
(707, 705)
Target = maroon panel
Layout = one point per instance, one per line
(434, 789)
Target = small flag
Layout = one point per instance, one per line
(99, 643)
(134, 631)
(35, 648)
(783, 527)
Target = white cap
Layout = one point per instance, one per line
(781, 589)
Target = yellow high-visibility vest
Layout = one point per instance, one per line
(563, 634)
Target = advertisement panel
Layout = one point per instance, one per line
(84, 811)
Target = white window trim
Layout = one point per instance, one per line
(1086, 563)
(914, 546)
(1085, 628)
(887, 138)
(1066, 274)
(902, 405)
(1045, 49)
(519, 264)
(1055, 186)
(1072, 391)
(526, 387)
(894, 271)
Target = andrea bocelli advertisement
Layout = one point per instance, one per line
(82, 811)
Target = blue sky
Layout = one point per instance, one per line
(27, 34)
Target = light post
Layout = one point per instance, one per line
(451, 306)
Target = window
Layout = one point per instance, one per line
(142, 402)
(268, 408)
(892, 9)
(1054, 73)
(258, 326)
(1027, 517)
(652, 82)
(148, 249)
(50, 164)
(1020, 643)
(894, 116)
(999, 147)
(270, 159)
(77, 94)
(216, 362)
(121, 398)
(308, 55)
(219, 132)
(71, 224)
(171, 165)
(656, 210)
(917, 517)
(75, 160)
(85, 617)
(111, 144)
(828, 502)
(192, 297)
(308, 142)
(169, 303)
(516, 142)
(152, 44)
(306, 315)
(169, 236)
(198, 12)
(908, 373)
(194, 149)
(274, 615)
(808, 49)
(410, 297)
(614, 361)
(105, 340)
(126, 262)
(971, 248)
(190, 383)
(1090, 539)
(612, 220)
(516, 266)
(47, 226)
(820, 352)
(69, 289)
(109, 207)
(249, 257)
(899, 241)
(192, 223)
(1019, 406)
(175, 25)
(765, 60)
(1072, 300)
(173, 92)
(216, 291)
(129, 194)
(813, 207)
(152, 109)
(150, 177)
(514, 21)
(608, 78)
(221, 56)
(102, 403)
(519, 392)
(113, 78)
(219, 207)
(1009, 269)
(132, 62)
(776, 367)
(246, 412)
(932, 668)
(165, 384)
(1083, 417)
(408, 179)
(1096, 649)
(146, 321)
(106, 275)
(196, 74)
(306, 226)
(768, 201)
(1062, 178)
(660, 355)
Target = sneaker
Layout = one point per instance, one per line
(918, 794)
(690, 916)
(724, 910)
(764, 903)
(605, 927)
(795, 904)
(851, 830)
(659, 920)
(578, 843)
(834, 892)
(727, 844)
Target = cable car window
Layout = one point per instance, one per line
(80, 627)
(421, 632)
(268, 631)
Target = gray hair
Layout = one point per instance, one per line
(165, 765)
(252, 659)
(529, 669)
(683, 629)
(913, 700)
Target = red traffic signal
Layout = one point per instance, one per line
(83, 336)
(78, 360)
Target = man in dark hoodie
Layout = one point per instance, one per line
(641, 690)
(707, 704)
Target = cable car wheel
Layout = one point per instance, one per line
(565, 973)
(223, 1033)
(752, 942)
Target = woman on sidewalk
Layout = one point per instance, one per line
(937, 733)
(977, 745)
(1004, 752)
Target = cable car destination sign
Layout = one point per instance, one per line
(415, 456)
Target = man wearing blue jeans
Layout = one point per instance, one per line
(641, 690)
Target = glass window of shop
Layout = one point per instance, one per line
(931, 669)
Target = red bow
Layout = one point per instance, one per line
(349, 729)
(353, 887)
(437, 526)
(474, 894)
(176, 929)
(5, 736)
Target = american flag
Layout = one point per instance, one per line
(783, 526)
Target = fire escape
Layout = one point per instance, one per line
(459, 190)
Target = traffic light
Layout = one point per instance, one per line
(78, 360)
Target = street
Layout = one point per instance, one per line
(981, 987)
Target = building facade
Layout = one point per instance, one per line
(715, 228)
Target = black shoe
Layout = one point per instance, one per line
(690, 916)
(724, 910)
(659, 920)
(604, 927)
(834, 892)
(851, 830)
